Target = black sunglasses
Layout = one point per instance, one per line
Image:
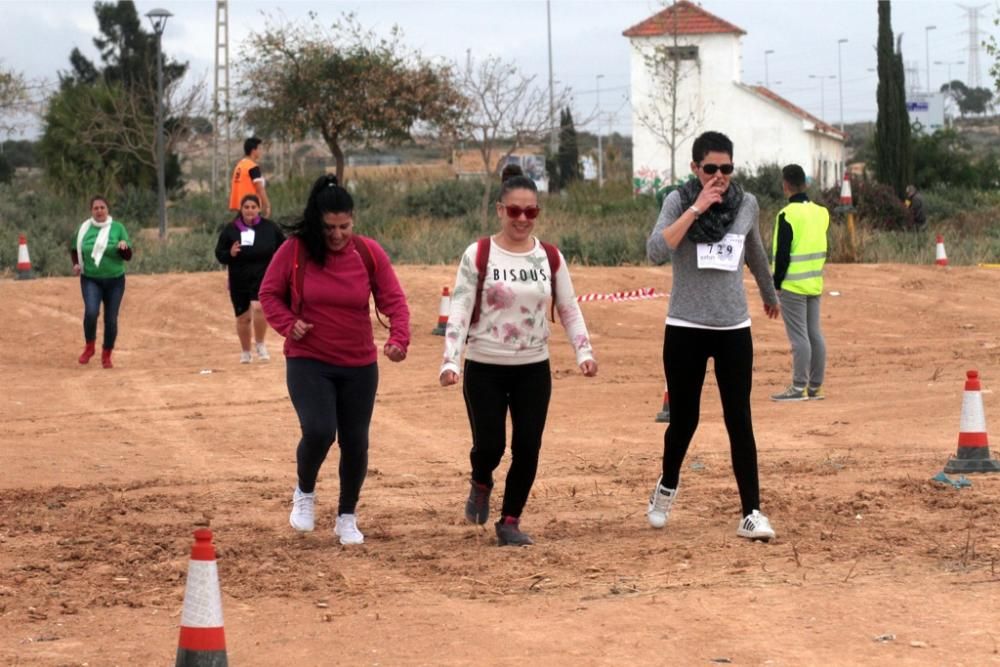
(710, 168)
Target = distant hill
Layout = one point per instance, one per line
(982, 133)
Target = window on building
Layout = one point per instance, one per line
(681, 52)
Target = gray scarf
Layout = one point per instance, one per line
(711, 225)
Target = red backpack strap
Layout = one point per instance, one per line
(298, 275)
(482, 258)
(371, 266)
(552, 252)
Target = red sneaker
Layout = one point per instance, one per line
(106, 358)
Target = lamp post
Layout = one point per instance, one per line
(767, 81)
(927, 53)
(158, 17)
(840, 82)
(822, 97)
(600, 148)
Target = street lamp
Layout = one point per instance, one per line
(600, 149)
(822, 98)
(767, 81)
(927, 53)
(840, 82)
(158, 17)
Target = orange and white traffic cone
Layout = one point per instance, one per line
(23, 260)
(663, 415)
(973, 443)
(203, 641)
(940, 258)
(443, 312)
(845, 191)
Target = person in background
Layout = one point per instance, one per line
(248, 179)
(99, 253)
(316, 293)
(915, 203)
(246, 246)
(504, 290)
(799, 251)
(708, 229)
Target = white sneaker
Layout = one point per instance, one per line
(245, 358)
(262, 352)
(660, 502)
(347, 529)
(303, 513)
(755, 526)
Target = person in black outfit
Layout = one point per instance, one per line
(916, 205)
(246, 246)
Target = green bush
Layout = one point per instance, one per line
(445, 199)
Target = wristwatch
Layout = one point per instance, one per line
(694, 209)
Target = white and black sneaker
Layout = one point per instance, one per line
(755, 526)
(660, 502)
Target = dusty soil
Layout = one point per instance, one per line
(106, 473)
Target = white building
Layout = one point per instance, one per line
(702, 53)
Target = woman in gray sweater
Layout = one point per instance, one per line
(709, 226)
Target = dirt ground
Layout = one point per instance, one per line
(104, 475)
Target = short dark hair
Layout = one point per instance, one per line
(795, 176)
(517, 182)
(102, 198)
(709, 142)
(254, 198)
(250, 144)
(512, 169)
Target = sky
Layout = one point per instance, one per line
(587, 42)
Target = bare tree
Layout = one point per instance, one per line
(670, 65)
(118, 119)
(506, 111)
(15, 99)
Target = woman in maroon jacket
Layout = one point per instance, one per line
(316, 293)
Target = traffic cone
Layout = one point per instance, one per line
(940, 258)
(443, 312)
(203, 641)
(845, 191)
(663, 415)
(973, 444)
(23, 261)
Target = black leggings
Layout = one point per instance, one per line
(685, 358)
(333, 401)
(490, 390)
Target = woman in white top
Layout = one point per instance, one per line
(503, 295)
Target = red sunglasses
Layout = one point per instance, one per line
(530, 212)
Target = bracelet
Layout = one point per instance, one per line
(694, 210)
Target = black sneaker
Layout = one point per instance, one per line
(509, 532)
(477, 506)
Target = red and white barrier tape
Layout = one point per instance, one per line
(629, 295)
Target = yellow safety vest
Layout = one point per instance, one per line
(809, 224)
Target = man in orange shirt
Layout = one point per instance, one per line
(248, 178)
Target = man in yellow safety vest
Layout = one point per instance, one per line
(799, 253)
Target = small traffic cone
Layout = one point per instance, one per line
(443, 312)
(845, 191)
(663, 415)
(23, 260)
(940, 258)
(973, 443)
(203, 641)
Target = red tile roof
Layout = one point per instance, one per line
(682, 18)
(798, 111)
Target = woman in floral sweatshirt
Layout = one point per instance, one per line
(499, 316)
